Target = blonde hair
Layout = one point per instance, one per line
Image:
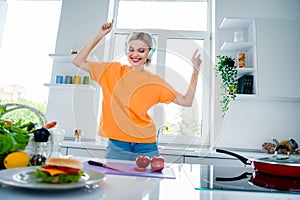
(146, 38)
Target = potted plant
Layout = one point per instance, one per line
(227, 71)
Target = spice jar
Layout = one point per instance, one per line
(41, 146)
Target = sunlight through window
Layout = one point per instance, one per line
(26, 43)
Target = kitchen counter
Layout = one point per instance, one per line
(174, 150)
(192, 181)
(186, 155)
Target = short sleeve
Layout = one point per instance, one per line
(97, 69)
(167, 92)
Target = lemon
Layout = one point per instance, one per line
(16, 159)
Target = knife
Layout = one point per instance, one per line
(100, 164)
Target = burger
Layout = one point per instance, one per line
(60, 170)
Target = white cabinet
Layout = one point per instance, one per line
(172, 158)
(72, 106)
(245, 28)
(85, 152)
(279, 46)
(212, 161)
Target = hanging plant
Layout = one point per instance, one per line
(228, 72)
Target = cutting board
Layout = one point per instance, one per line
(128, 168)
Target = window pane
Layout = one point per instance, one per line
(179, 119)
(180, 27)
(27, 41)
(162, 15)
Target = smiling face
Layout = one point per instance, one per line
(137, 54)
(139, 45)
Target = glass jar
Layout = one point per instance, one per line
(58, 135)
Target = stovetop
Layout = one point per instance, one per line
(241, 179)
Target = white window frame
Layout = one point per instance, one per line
(162, 36)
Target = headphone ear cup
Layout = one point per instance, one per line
(151, 54)
(152, 49)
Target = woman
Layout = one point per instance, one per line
(129, 92)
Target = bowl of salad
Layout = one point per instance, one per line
(13, 137)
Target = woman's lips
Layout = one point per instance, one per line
(135, 59)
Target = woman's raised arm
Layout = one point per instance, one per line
(80, 59)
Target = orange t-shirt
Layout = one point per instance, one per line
(127, 96)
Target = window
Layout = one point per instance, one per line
(26, 42)
(179, 27)
(169, 15)
(183, 120)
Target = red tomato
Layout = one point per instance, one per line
(157, 163)
(140, 169)
(142, 161)
(48, 167)
(68, 170)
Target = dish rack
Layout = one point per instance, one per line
(16, 106)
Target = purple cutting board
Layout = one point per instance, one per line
(129, 170)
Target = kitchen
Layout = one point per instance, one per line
(274, 115)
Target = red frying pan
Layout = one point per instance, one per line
(275, 165)
(291, 184)
(275, 182)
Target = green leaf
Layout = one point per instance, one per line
(2, 110)
(227, 71)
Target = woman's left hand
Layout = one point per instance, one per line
(196, 60)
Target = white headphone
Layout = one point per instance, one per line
(153, 48)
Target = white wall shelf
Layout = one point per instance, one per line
(245, 96)
(67, 58)
(228, 27)
(70, 86)
(269, 99)
(245, 71)
(233, 23)
(237, 46)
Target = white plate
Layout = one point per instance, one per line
(24, 177)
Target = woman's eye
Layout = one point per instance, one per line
(142, 50)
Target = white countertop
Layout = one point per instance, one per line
(173, 150)
(118, 187)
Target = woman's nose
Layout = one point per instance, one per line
(135, 53)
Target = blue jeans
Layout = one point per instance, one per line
(129, 150)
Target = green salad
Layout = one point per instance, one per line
(14, 136)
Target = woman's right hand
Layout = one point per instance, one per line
(106, 27)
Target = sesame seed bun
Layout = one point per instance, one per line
(64, 162)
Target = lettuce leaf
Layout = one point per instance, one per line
(60, 178)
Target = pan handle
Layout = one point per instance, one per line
(241, 158)
(237, 178)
